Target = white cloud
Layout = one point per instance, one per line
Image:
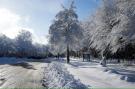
(33, 15)
(10, 25)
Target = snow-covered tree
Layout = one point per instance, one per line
(113, 30)
(22, 46)
(41, 50)
(66, 32)
(24, 43)
(7, 47)
(56, 49)
(124, 32)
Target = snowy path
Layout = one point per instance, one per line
(21, 76)
(93, 75)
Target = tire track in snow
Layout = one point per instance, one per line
(19, 77)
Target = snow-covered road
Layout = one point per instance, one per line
(93, 75)
(22, 75)
(30, 74)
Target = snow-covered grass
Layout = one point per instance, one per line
(57, 76)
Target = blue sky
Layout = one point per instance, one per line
(37, 15)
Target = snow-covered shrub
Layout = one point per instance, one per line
(57, 76)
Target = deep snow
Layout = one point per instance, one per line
(57, 76)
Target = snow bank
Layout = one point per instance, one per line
(57, 76)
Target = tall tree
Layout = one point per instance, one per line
(66, 31)
(113, 28)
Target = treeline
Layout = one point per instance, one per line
(110, 31)
(22, 46)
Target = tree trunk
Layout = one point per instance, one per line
(103, 61)
(58, 56)
(118, 60)
(68, 59)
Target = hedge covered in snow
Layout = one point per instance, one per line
(57, 76)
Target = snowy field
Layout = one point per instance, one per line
(93, 75)
(19, 73)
